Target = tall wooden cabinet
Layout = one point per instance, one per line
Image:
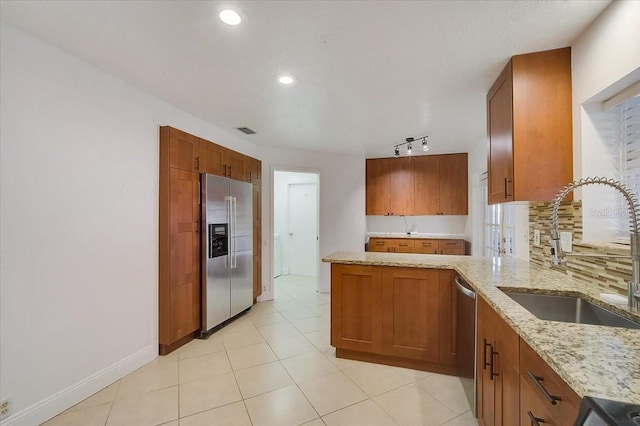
(183, 157)
(529, 128)
(421, 185)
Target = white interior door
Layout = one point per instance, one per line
(303, 228)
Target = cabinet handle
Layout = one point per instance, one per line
(506, 187)
(249, 175)
(538, 382)
(225, 169)
(379, 243)
(535, 421)
(229, 171)
(197, 226)
(196, 162)
(493, 354)
(485, 364)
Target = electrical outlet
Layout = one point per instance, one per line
(536, 237)
(566, 242)
(5, 408)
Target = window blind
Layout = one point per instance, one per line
(630, 139)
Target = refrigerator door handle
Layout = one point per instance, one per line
(230, 241)
(234, 258)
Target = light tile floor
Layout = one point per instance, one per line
(274, 367)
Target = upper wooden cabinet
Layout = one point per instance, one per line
(389, 186)
(529, 128)
(183, 149)
(424, 185)
(253, 168)
(212, 158)
(441, 184)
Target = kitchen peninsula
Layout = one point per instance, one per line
(592, 360)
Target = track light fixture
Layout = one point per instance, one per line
(408, 142)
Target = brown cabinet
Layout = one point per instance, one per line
(253, 168)
(183, 157)
(396, 316)
(441, 184)
(391, 245)
(544, 396)
(410, 314)
(356, 308)
(497, 369)
(417, 245)
(179, 243)
(529, 128)
(389, 184)
(424, 185)
(182, 149)
(212, 158)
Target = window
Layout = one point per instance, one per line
(629, 124)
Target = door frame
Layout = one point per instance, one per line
(268, 294)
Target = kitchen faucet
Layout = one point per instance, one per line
(633, 295)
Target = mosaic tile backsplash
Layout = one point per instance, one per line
(610, 274)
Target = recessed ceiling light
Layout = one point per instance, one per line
(230, 17)
(286, 79)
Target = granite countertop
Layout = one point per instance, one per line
(594, 360)
(418, 235)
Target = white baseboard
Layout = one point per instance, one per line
(267, 295)
(55, 404)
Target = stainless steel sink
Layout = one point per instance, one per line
(569, 309)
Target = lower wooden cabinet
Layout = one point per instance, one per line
(514, 385)
(417, 245)
(392, 315)
(543, 394)
(356, 308)
(497, 369)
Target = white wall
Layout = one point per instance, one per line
(420, 224)
(281, 182)
(342, 204)
(79, 222)
(605, 60)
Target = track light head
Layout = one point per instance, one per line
(425, 145)
(396, 152)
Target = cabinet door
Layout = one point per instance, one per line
(426, 170)
(378, 187)
(234, 166)
(453, 185)
(500, 137)
(253, 169)
(356, 306)
(497, 369)
(401, 186)
(183, 149)
(212, 158)
(184, 242)
(401, 245)
(410, 313)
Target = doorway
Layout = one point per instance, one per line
(296, 240)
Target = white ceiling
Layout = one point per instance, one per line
(369, 73)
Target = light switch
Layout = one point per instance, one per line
(536, 237)
(566, 242)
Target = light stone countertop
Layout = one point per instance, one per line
(594, 360)
(418, 235)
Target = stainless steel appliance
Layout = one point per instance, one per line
(604, 412)
(227, 250)
(466, 338)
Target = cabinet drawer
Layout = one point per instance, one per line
(426, 246)
(451, 244)
(540, 378)
(401, 245)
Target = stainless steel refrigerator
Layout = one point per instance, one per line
(227, 249)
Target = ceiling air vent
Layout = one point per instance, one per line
(246, 130)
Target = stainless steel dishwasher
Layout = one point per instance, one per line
(466, 338)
